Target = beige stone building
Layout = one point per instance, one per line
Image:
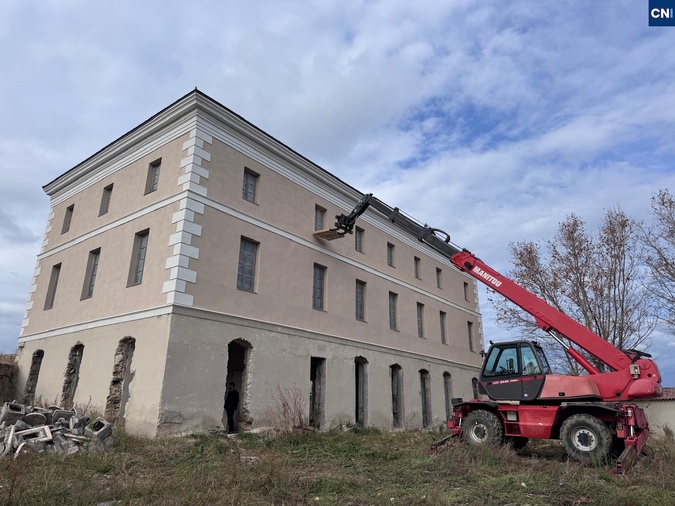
(183, 255)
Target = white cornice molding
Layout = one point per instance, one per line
(151, 130)
(199, 313)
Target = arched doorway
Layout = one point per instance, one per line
(425, 393)
(396, 372)
(361, 393)
(238, 359)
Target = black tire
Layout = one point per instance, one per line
(517, 442)
(482, 427)
(586, 439)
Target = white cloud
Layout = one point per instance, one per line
(492, 120)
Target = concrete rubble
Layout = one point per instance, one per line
(29, 428)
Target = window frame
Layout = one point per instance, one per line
(52, 286)
(420, 320)
(152, 179)
(393, 311)
(93, 261)
(68, 218)
(139, 255)
(390, 255)
(249, 190)
(358, 239)
(319, 217)
(319, 275)
(469, 329)
(360, 300)
(243, 264)
(442, 316)
(106, 197)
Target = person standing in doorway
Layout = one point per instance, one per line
(231, 405)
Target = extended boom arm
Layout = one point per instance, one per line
(547, 317)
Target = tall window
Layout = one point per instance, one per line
(152, 181)
(393, 299)
(358, 239)
(469, 331)
(442, 322)
(319, 287)
(420, 319)
(390, 254)
(250, 185)
(138, 258)
(466, 291)
(319, 217)
(90, 275)
(417, 267)
(248, 251)
(105, 200)
(53, 284)
(67, 218)
(360, 300)
(439, 278)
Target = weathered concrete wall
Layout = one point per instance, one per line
(96, 368)
(197, 359)
(659, 413)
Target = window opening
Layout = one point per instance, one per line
(152, 180)
(248, 252)
(360, 301)
(393, 300)
(250, 185)
(425, 392)
(53, 284)
(68, 218)
(138, 257)
(105, 200)
(318, 287)
(90, 274)
(396, 372)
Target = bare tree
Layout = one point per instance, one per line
(593, 279)
(659, 240)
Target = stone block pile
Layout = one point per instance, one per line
(29, 428)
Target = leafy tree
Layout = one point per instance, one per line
(593, 279)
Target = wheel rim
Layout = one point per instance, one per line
(478, 432)
(584, 440)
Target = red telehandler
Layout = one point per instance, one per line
(593, 415)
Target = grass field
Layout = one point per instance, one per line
(335, 468)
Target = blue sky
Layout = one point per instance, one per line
(493, 120)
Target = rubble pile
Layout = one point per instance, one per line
(28, 428)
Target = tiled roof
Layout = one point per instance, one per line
(668, 395)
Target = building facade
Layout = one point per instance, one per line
(183, 256)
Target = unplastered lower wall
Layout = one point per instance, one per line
(660, 414)
(279, 358)
(96, 368)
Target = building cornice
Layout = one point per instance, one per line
(186, 109)
(174, 113)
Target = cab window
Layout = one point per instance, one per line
(530, 365)
(502, 361)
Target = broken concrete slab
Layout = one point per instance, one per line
(100, 429)
(34, 419)
(23, 429)
(11, 412)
